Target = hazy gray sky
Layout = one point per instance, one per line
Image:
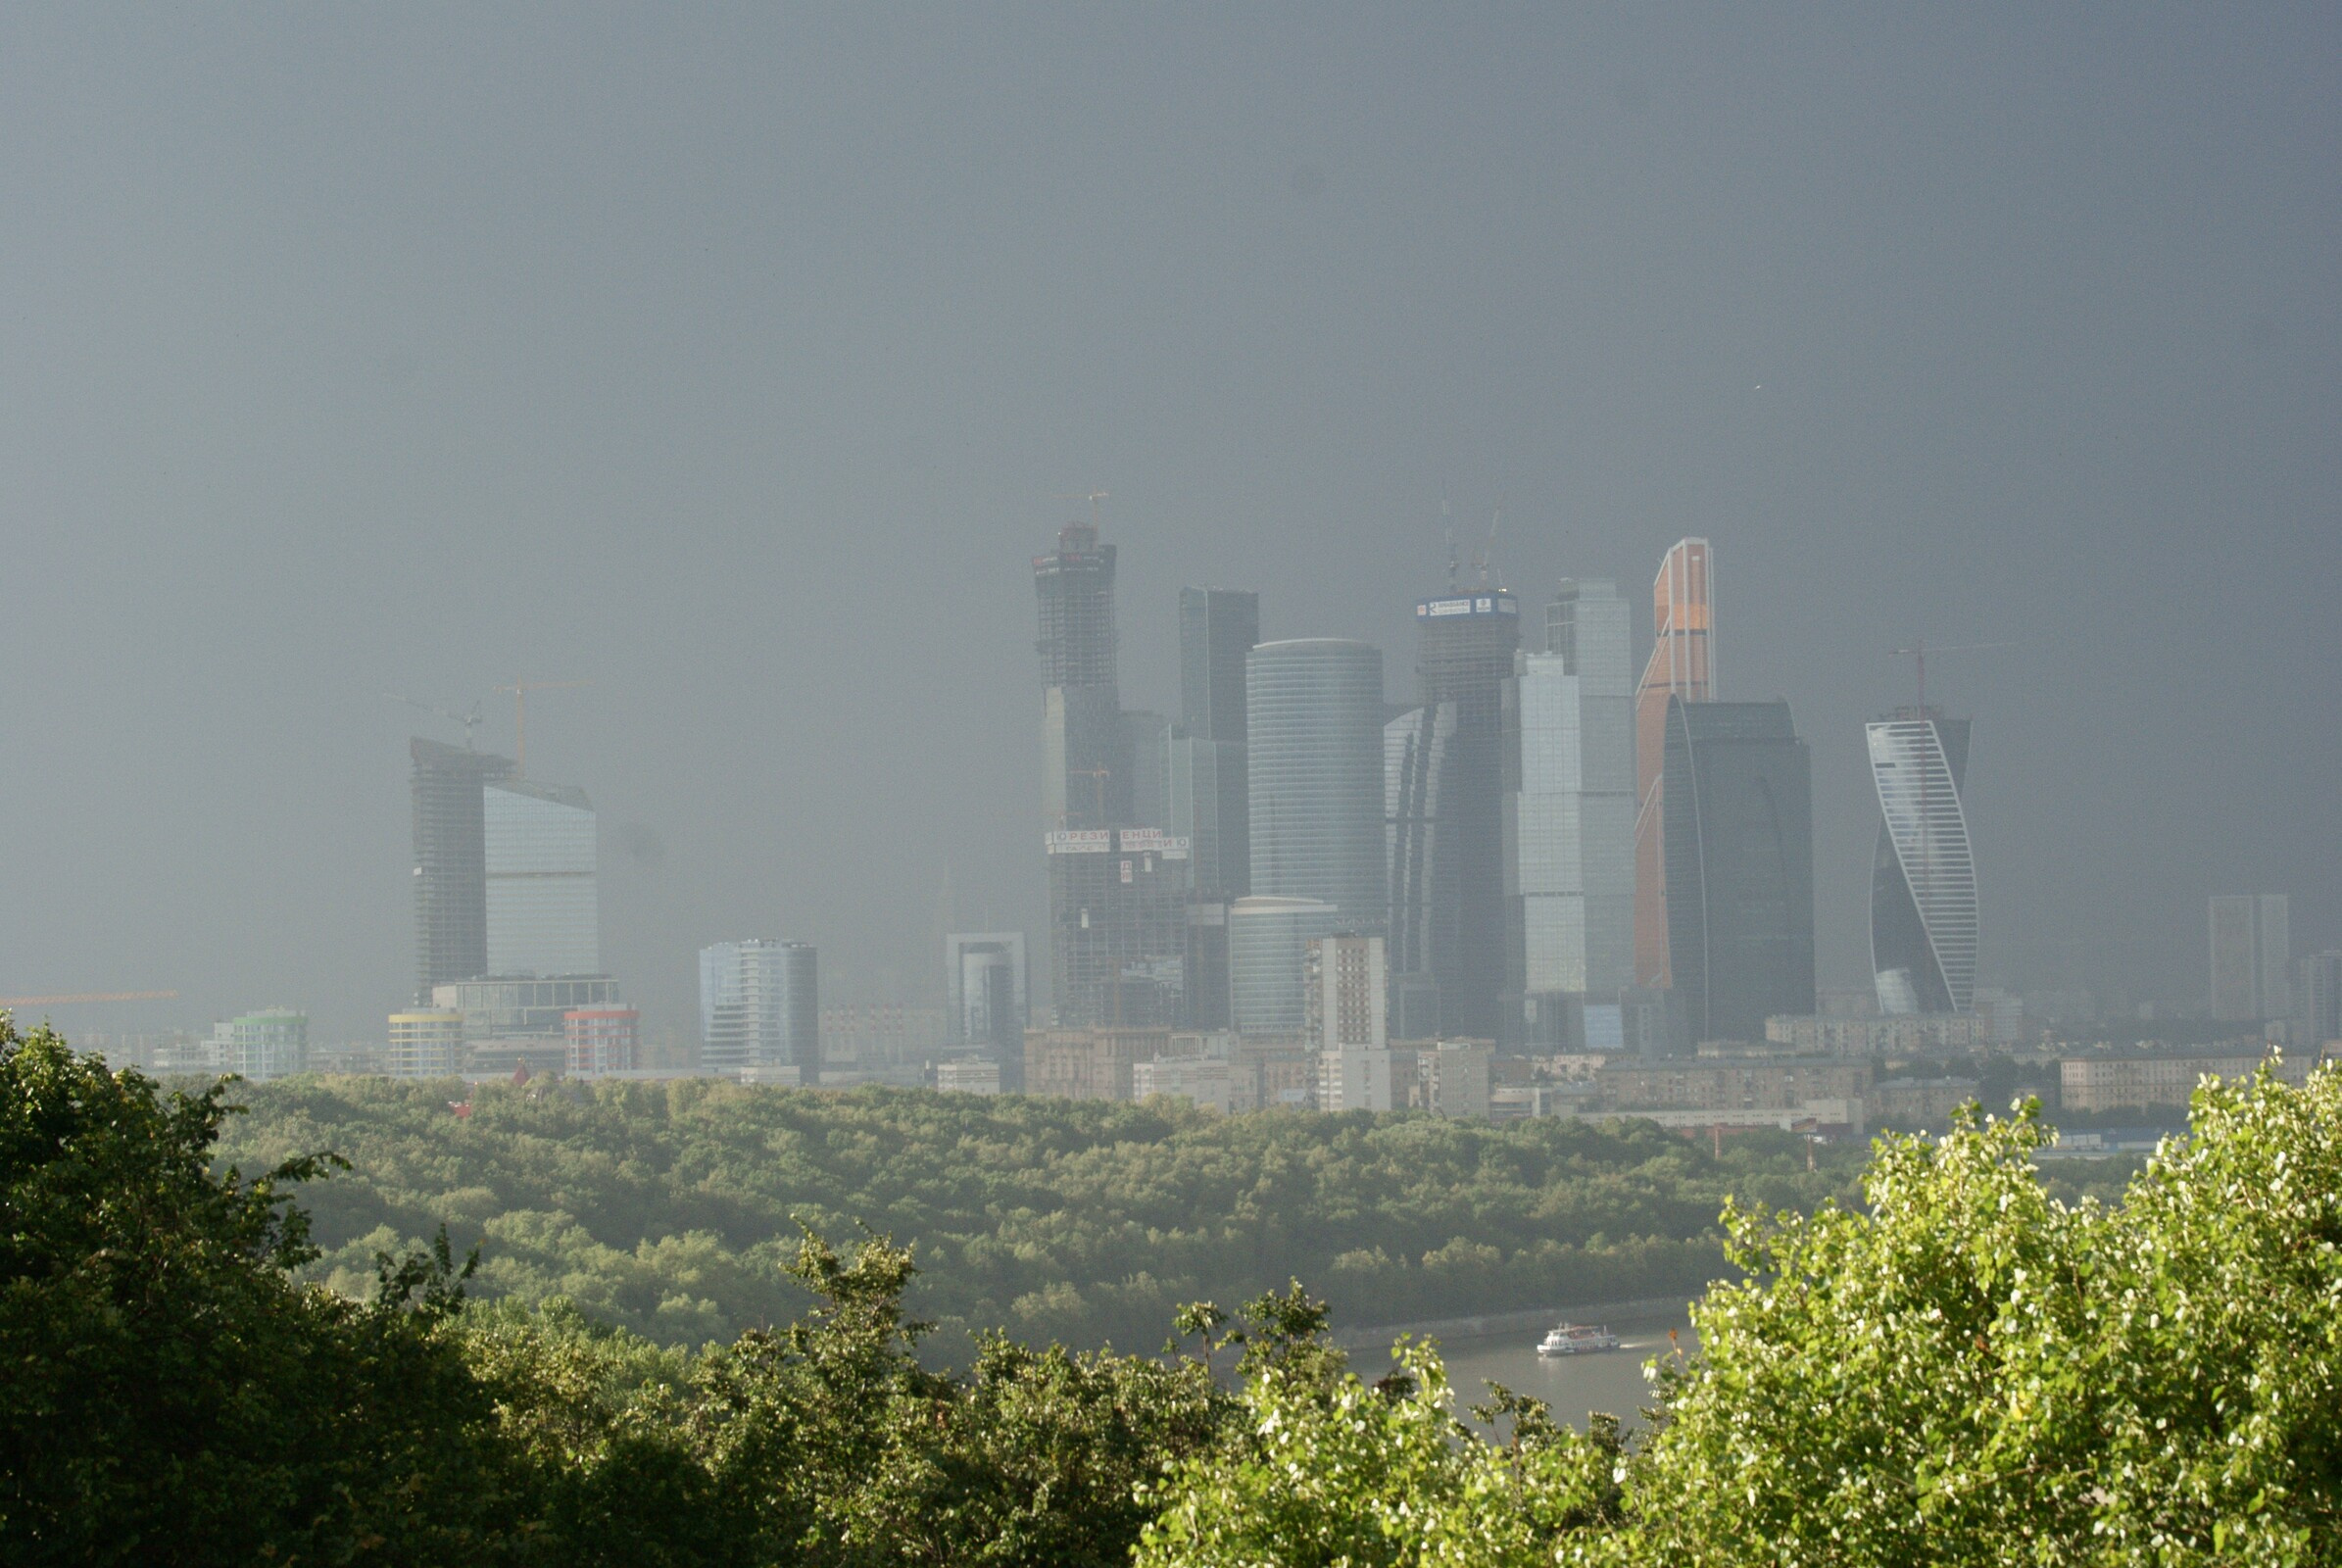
(730, 360)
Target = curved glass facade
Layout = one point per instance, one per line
(1314, 773)
(1924, 871)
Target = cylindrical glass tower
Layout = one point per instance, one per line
(1313, 713)
(1268, 945)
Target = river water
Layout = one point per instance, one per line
(1571, 1385)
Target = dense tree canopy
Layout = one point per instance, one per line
(673, 1208)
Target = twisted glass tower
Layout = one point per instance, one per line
(1924, 871)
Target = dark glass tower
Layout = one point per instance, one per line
(1464, 659)
(1217, 628)
(1924, 871)
(1738, 834)
(451, 862)
(1210, 803)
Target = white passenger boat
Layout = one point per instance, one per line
(1577, 1338)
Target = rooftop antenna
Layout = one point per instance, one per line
(470, 722)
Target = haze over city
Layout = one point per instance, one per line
(739, 366)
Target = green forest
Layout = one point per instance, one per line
(674, 1210)
(1961, 1368)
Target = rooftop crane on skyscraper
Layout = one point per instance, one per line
(469, 721)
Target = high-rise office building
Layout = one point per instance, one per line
(2252, 957)
(985, 992)
(1570, 819)
(2318, 999)
(1086, 757)
(1268, 951)
(1206, 790)
(1146, 740)
(539, 858)
(1414, 767)
(1314, 774)
(760, 1007)
(1464, 658)
(451, 867)
(1118, 917)
(1740, 867)
(1681, 667)
(273, 1043)
(1924, 870)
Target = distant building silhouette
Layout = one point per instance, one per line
(984, 993)
(2252, 955)
(539, 858)
(1924, 871)
(1464, 656)
(1314, 712)
(1740, 867)
(1207, 793)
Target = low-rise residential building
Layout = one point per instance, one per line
(2135, 1080)
(1917, 1034)
(427, 1043)
(1452, 1078)
(1214, 1081)
(1746, 1083)
(1089, 1063)
(600, 1040)
(969, 1075)
(1361, 1078)
(1925, 1102)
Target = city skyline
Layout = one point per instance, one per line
(743, 388)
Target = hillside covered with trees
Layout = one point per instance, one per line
(674, 1210)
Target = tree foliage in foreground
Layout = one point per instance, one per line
(1969, 1373)
(1966, 1372)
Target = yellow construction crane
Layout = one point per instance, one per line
(65, 998)
(521, 689)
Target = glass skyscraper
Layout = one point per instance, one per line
(1924, 870)
(1208, 790)
(1465, 656)
(1738, 799)
(1570, 815)
(1268, 956)
(1414, 766)
(543, 912)
(760, 1006)
(1314, 774)
(450, 869)
(1681, 667)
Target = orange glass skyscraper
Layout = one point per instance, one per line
(1683, 665)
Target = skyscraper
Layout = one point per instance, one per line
(1207, 795)
(1086, 779)
(539, 858)
(1681, 667)
(2252, 956)
(2318, 999)
(1268, 950)
(1923, 870)
(1569, 818)
(760, 1006)
(1740, 866)
(1314, 773)
(1464, 658)
(451, 865)
(1414, 766)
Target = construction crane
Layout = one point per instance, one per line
(1094, 496)
(1917, 653)
(1488, 546)
(67, 997)
(470, 722)
(521, 689)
